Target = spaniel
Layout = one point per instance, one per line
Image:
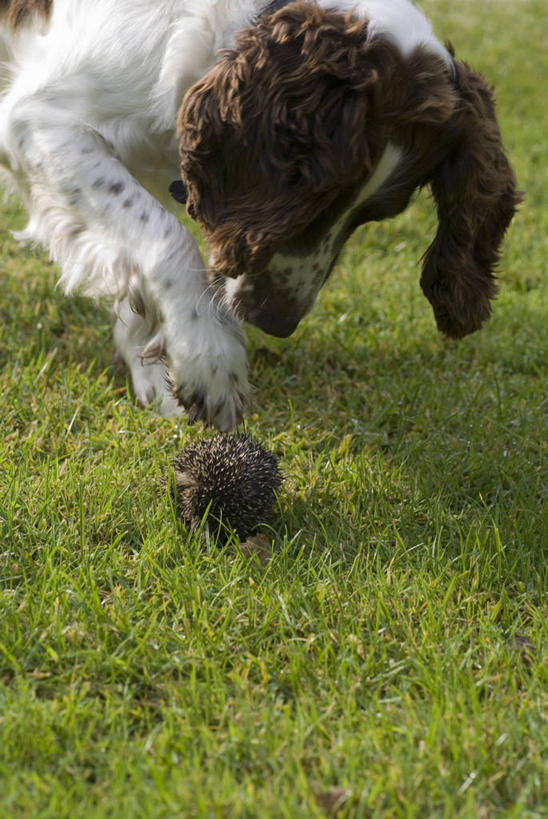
(282, 125)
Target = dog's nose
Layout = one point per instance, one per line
(273, 323)
(179, 192)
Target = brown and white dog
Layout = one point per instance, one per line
(295, 121)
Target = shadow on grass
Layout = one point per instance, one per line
(417, 438)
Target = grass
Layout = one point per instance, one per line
(375, 661)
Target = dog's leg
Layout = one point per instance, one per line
(102, 227)
(133, 340)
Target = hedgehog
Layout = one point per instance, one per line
(232, 479)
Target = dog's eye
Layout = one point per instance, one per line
(178, 191)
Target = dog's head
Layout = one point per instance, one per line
(302, 132)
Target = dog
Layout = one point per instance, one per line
(283, 126)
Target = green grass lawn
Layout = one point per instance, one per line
(380, 650)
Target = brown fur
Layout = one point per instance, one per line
(475, 192)
(277, 138)
(20, 11)
(273, 133)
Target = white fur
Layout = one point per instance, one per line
(87, 137)
(400, 21)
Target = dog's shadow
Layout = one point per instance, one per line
(424, 434)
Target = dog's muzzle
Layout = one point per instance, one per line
(272, 323)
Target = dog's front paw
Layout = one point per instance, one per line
(151, 387)
(209, 375)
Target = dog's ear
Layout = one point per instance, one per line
(281, 128)
(475, 192)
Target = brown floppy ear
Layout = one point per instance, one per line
(475, 193)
